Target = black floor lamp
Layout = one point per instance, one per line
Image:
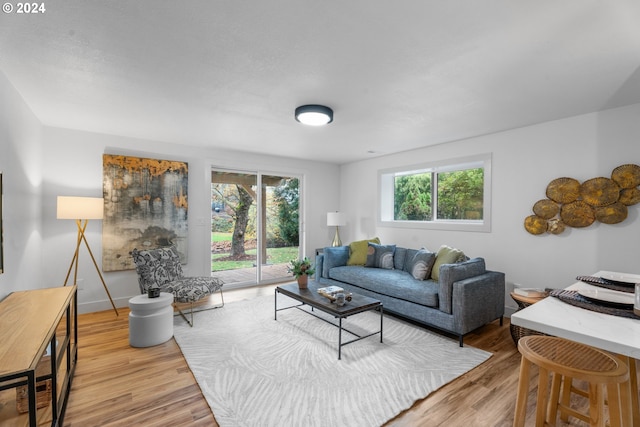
(82, 209)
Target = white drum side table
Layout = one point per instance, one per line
(150, 320)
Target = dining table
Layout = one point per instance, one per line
(595, 326)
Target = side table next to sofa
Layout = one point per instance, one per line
(518, 332)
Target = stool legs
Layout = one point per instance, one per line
(617, 398)
(566, 361)
(614, 399)
(629, 395)
(596, 405)
(565, 409)
(554, 398)
(541, 407)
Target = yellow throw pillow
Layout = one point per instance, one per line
(358, 251)
(446, 255)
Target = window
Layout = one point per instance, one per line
(448, 195)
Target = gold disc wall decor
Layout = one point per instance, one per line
(572, 204)
(563, 190)
(555, 226)
(577, 214)
(546, 208)
(535, 225)
(611, 214)
(629, 196)
(626, 176)
(599, 191)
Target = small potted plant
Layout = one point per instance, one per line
(301, 269)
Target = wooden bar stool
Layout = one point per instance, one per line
(567, 360)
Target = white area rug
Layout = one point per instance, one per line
(256, 371)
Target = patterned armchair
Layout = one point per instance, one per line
(161, 268)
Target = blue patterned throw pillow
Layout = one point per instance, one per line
(380, 256)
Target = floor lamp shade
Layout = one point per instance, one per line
(336, 219)
(80, 207)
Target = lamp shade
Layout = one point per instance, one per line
(336, 219)
(80, 207)
(314, 115)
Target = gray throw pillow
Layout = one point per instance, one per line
(399, 258)
(380, 256)
(420, 265)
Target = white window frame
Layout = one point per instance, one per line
(386, 188)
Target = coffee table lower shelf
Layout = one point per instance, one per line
(310, 297)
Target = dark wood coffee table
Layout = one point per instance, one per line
(311, 297)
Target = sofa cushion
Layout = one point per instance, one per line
(446, 255)
(358, 251)
(420, 264)
(394, 283)
(399, 258)
(334, 257)
(380, 256)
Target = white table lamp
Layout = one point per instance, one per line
(336, 219)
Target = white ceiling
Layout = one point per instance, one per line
(399, 74)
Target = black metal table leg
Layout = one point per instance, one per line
(31, 392)
(381, 323)
(340, 338)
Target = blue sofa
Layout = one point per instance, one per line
(465, 297)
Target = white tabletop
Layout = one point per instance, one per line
(143, 302)
(551, 316)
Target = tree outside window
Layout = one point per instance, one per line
(460, 194)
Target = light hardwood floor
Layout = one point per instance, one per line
(117, 385)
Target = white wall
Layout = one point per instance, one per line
(73, 167)
(525, 160)
(20, 164)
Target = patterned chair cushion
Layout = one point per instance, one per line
(192, 289)
(161, 268)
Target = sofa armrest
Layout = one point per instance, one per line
(319, 264)
(450, 273)
(478, 300)
(335, 256)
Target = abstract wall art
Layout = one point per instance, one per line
(145, 207)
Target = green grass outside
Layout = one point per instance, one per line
(274, 255)
(220, 237)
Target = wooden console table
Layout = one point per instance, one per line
(38, 326)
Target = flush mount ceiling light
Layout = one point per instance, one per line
(314, 115)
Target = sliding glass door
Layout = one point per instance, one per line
(255, 227)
